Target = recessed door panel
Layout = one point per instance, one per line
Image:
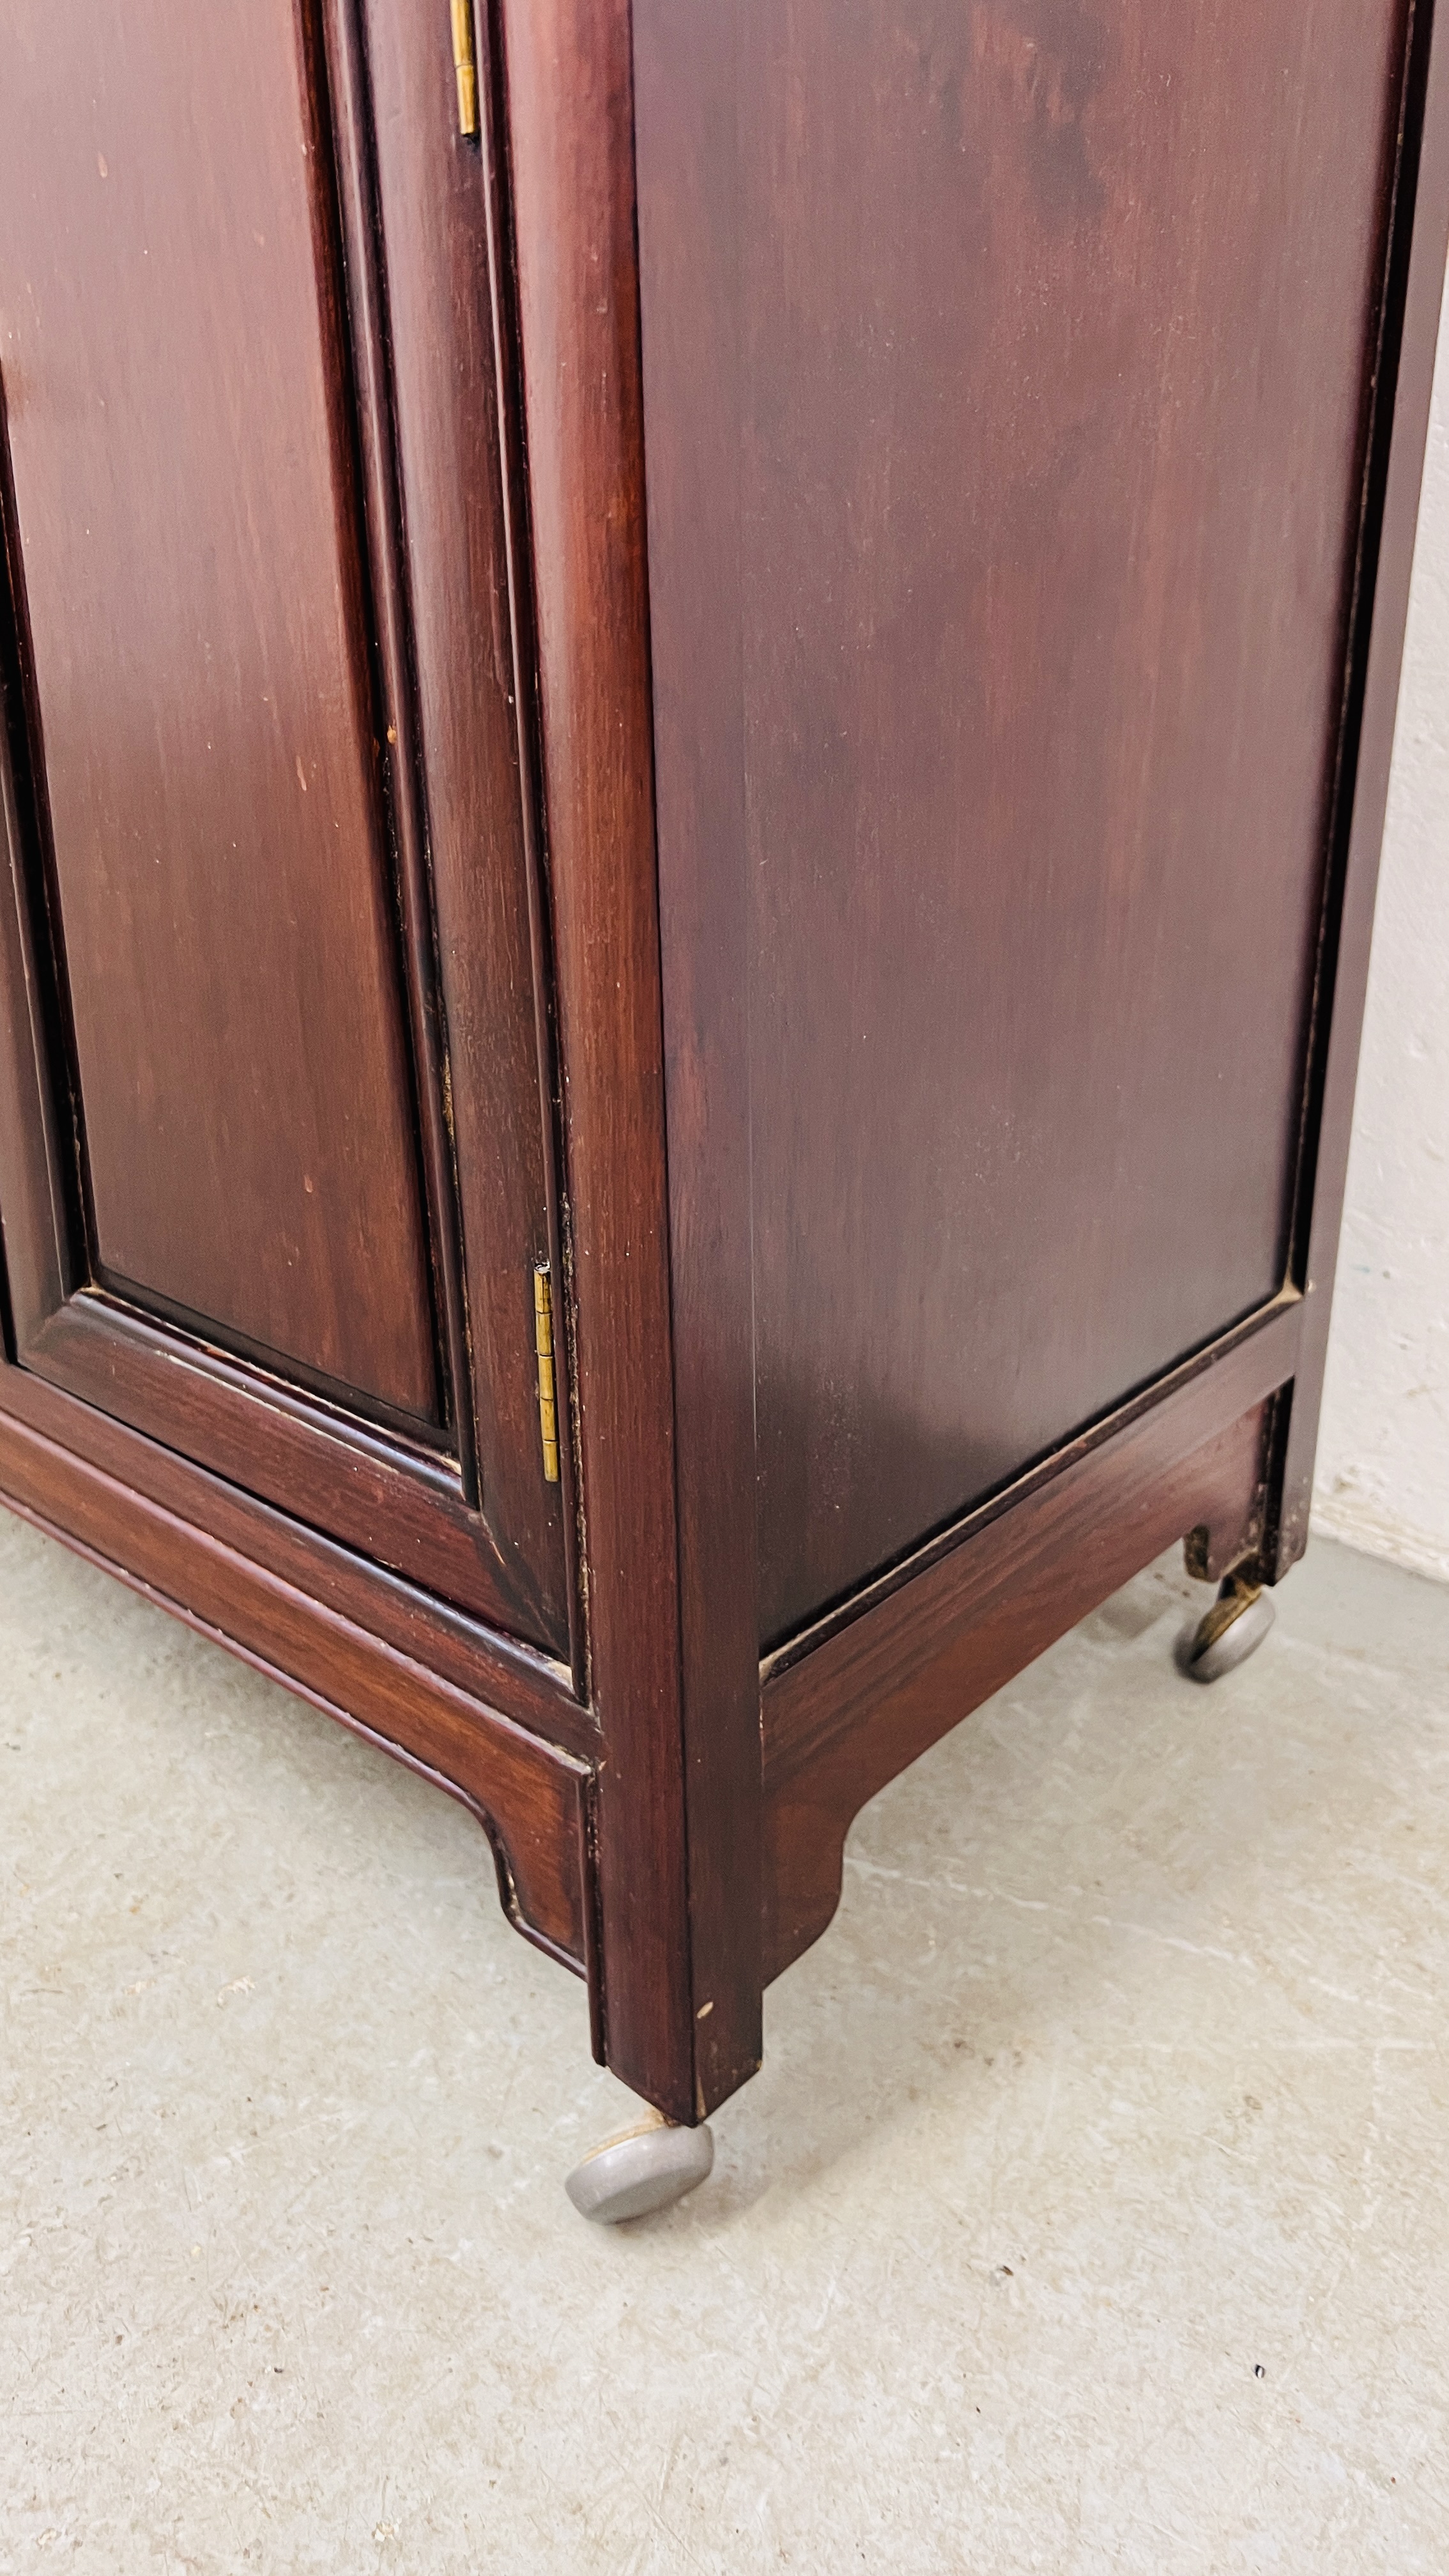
(185, 513)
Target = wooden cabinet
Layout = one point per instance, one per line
(724, 694)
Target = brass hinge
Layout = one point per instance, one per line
(465, 66)
(547, 1386)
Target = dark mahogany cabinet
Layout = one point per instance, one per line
(696, 718)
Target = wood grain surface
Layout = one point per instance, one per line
(484, 1662)
(197, 1038)
(771, 681)
(568, 90)
(432, 213)
(680, 1740)
(689, 234)
(1051, 392)
(186, 516)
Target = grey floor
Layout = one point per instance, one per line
(1089, 2214)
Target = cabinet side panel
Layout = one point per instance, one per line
(1059, 326)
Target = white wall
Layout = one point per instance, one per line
(1383, 1460)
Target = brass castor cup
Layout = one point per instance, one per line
(644, 2169)
(1232, 1630)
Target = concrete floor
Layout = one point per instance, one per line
(1089, 2214)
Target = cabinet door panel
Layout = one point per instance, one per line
(183, 513)
(239, 1078)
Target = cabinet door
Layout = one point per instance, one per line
(273, 1147)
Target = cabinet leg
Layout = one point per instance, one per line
(1231, 1631)
(643, 2169)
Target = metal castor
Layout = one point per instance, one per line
(1232, 1630)
(644, 2169)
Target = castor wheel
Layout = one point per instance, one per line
(1232, 1630)
(644, 2169)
